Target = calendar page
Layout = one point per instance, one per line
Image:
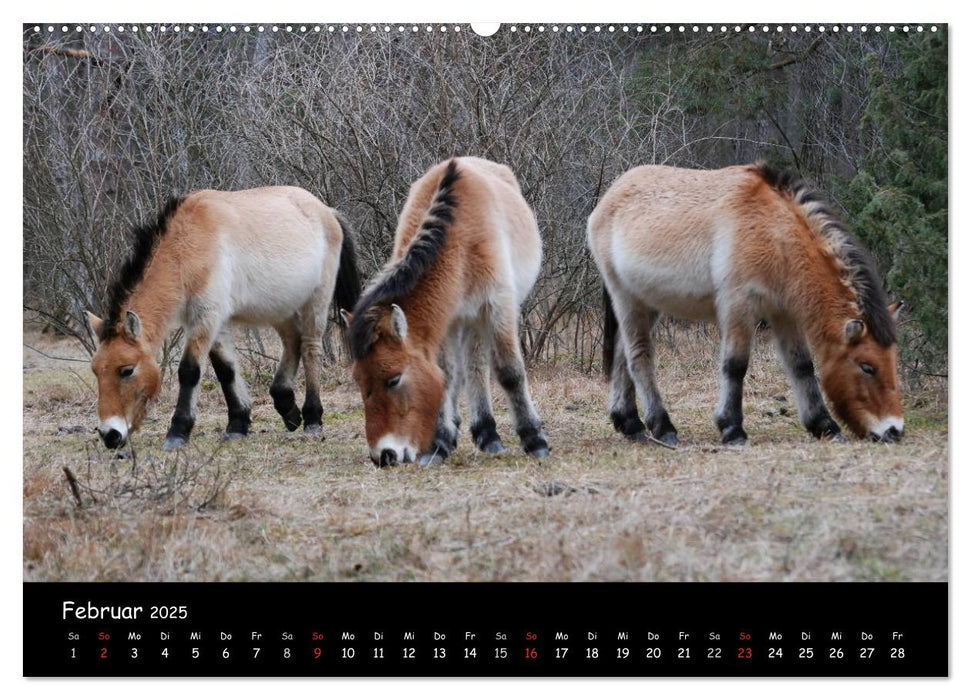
(533, 350)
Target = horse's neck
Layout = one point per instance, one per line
(157, 300)
(430, 310)
(824, 306)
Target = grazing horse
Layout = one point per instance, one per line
(467, 251)
(269, 256)
(736, 246)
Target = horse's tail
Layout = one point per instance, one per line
(347, 289)
(611, 328)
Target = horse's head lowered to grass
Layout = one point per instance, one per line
(401, 386)
(396, 370)
(859, 376)
(128, 376)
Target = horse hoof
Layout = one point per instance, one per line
(315, 430)
(431, 460)
(639, 436)
(494, 448)
(233, 437)
(540, 452)
(734, 436)
(837, 437)
(671, 439)
(173, 443)
(293, 419)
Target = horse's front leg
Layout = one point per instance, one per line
(190, 372)
(737, 328)
(798, 363)
(446, 425)
(222, 355)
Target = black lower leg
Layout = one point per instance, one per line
(627, 422)
(484, 433)
(313, 411)
(239, 413)
(285, 404)
(624, 413)
(661, 427)
(530, 430)
(729, 419)
(822, 425)
(183, 419)
(443, 443)
(816, 417)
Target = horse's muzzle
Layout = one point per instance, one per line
(111, 438)
(890, 435)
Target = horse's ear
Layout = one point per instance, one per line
(855, 330)
(399, 324)
(894, 310)
(346, 317)
(133, 325)
(95, 326)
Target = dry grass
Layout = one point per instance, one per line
(282, 507)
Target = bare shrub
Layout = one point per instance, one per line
(114, 122)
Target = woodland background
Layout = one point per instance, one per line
(114, 122)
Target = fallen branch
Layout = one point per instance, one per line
(73, 483)
(651, 438)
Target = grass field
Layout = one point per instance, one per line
(279, 506)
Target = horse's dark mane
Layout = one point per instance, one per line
(145, 241)
(860, 269)
(400, 279)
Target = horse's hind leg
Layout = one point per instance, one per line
(313, 323)
(798, 363)
(222, 355)
(281, 389)
(737, 328)
(636, 323)
(483, 423)
(511, 373)
(446, 426)
(623, 397)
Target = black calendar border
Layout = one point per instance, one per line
(918, 610)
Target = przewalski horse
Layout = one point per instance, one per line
(467, 251)
(736, 246)
(271, 256)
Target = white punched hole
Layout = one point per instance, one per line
(485, 28)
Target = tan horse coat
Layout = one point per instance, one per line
(467, 252)
(735, 246)
(268, 256)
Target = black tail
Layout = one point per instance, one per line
(610, 334)
(347, 290)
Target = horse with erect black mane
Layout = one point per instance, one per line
(273, 256)
(467, 252)
(736, 246)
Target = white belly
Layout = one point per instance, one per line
(262, 289)
(682, 289)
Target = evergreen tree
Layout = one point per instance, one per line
(898, 198)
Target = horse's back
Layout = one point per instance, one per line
(665, 234)
(266, 217)
(267, 247)
(494, 235)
